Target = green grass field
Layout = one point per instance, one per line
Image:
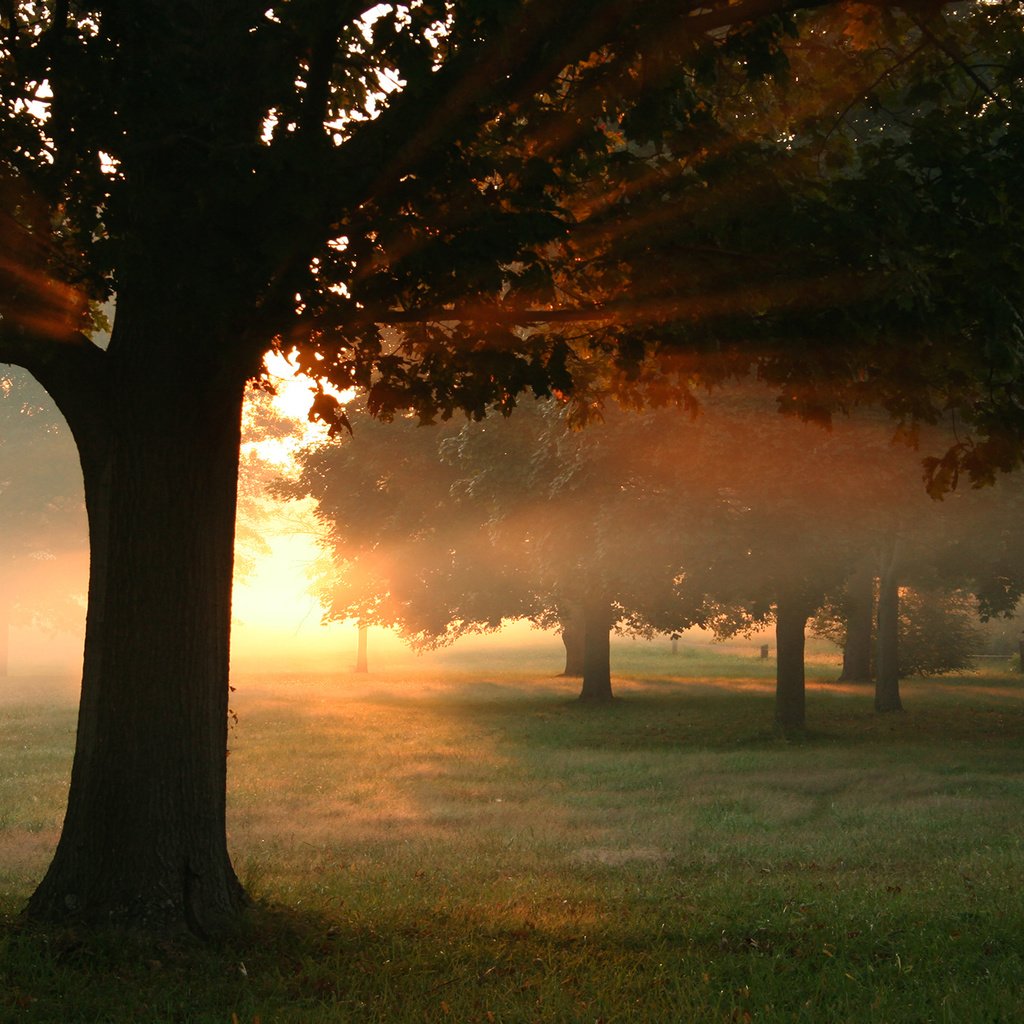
(459, 840)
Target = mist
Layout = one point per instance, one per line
(457, 532)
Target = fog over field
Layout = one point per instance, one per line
(746, 502)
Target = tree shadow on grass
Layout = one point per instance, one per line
(659, 713)
(276, 962)
(292, 965)
(646, 714)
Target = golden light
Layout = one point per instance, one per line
(277, 619)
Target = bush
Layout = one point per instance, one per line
(939, 629)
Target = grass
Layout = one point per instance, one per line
(462, 841)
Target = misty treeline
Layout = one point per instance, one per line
(825, 194)
(723, 515)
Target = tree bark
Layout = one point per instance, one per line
(887, 683)
(143, 843)
(573, 641)
(361, 664)
(597, 674)
(790, 623)
(860, 600)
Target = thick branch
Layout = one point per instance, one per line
(71, 369)
(58, 23)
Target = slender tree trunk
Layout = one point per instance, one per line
(790, 623)
(887, 683)
(597, 673)
(361, 665)
(573, 641)
(860, 600)
(5, 635)
(143, 843)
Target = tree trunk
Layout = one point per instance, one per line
(361, 665)
(790, 622)
(860, 600)
(573, 641)
(143, 843)
(5, 636)
(887, 683)
(597, 673)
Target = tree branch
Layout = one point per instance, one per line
(72, 371)
(959, 59)
(58, 23)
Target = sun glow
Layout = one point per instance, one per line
(276, 614)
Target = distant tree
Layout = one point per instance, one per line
(946, 564)
(362, 664)
(982, 546)
(406, 553)
(791, 522)
(583, 514)
(887, 660)
(856, 634)
(441, 531)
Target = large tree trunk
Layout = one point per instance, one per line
(790, 623)
(143, 842)
(361, 663)
(860, 601)
(887, 682)
(597, 673)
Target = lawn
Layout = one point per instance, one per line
(460, 840)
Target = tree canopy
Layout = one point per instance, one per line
(801, 190)
(444, 531)
(652, 522)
